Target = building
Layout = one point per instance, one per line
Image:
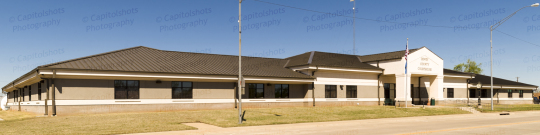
(146, 79)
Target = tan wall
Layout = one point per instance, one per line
(458, 93)
(67, 89)
(319, 91)
(213, 90)
(368, 92)
(153, 90)
(297, 90)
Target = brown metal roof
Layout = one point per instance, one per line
(486, 80)
(144, 59)
(386, 56)
(325, 59)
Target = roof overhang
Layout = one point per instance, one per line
(27, 79)
(459, 76)
(497, 86)
(336, 69)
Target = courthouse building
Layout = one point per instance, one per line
(145, 79)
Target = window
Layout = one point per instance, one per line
(39, 90)
(16, 96)
(484, 93)
(22, 94)
(510, 93)
(450, 93)
(256, 90)
(351, 91)
(330, 91)
(472, 93)
(182, 90)
(282, 91)
(126, 89)
(29, 93)
(389, 89)
(520, 93)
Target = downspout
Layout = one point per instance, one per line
(313, 85)
(379, 86)
(420, 89)
(53, 94)
(47, 99)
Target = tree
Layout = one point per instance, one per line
(469, 67)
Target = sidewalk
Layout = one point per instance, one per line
(404, 125)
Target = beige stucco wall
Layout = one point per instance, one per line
(67, 89)
(212, 90)
(319, 91)
(367, 92)
(153, 90)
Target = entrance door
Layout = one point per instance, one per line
(389, 93)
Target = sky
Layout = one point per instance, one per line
(34, 33)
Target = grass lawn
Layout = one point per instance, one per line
(509, 108)
(20, 123)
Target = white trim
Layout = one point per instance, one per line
(489, 99)
(184, 101)
(458, 76)
(350, 70)
(148, 76)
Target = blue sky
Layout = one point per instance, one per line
(73, 29)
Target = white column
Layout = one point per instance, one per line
(401, 89)
(436, 88)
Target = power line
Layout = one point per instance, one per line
(518, 38)
(367, 19)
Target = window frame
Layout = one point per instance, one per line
(350, 93)
(450, 91)
(281, 90)
(127, 89)
(182, 96)
(39, 91)
(520, 93)
(328, 89)
(388, 87)
(29, 93)
(253, 91)
(510, 94)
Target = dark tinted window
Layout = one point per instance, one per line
(256, 90)
(351, 91)
(520, 93)
(182, 90)
(126, 89)
(330, 91)
(450, 93)
(281, 91)
(510, 93)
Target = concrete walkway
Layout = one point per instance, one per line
(484, 123)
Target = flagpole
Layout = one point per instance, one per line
(406, 74)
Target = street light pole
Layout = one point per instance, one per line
(240, 62)
(491, 28)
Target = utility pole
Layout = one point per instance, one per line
(240, 62)
(517, 79)
(354, 27)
